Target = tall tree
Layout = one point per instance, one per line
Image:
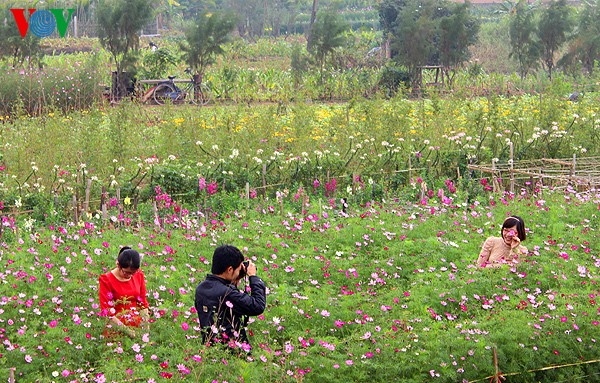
(583, 51)
(414, 37)
(524, 48)
(119, 25)
(204, 40)
(457, 32)
(588, 36)
(428, 32)
(313, 19)
(327, 34)
(553, 29)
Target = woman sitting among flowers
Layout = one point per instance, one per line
(123, 295)
(507, 249)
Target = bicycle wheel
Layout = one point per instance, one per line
(164, 93)
(188, 93)
(205, 94)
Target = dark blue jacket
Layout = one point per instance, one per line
(223, 309)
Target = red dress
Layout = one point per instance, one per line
(123, 299)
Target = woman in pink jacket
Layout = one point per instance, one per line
(506, 249)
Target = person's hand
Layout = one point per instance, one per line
(515, 242)
(251, 269)
(130, 332)
(145, 315)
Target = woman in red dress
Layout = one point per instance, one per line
(123, 295)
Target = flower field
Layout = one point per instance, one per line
(362, 215)
(380, 291)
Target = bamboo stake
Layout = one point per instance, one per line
(512, 174)
(86, 203)
(75, 209)
(264, 180)
(247, 196)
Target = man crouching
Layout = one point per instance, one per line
(222, 308)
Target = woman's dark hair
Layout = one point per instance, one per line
(225, 256)
(515, 220)
(128, 258)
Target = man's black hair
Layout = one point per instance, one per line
(225, 256)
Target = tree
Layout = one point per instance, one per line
(553, 27)
(585, 45)
(524, 48)
(204, 40)
(413, 37)
(327, 34)
(119, 23)
(428, 32)
(26, 50)
(313, 19)
(388, 15)
(457, 32)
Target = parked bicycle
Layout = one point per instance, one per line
(167, 91)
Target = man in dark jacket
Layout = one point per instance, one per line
(222, 308)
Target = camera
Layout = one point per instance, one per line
(243, 270)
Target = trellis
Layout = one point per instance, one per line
(580, 173)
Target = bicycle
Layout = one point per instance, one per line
(166, 91)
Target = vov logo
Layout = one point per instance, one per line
(42, 22)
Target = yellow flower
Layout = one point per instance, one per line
(127, 201)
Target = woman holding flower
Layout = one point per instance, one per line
(506, 249)
(123, 295)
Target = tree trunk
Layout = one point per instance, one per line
(313, 17)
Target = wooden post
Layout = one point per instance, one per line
(11, 377)
(498, 375)
(247, 196)
(409, 168)
(512, 173)
(264, 180)
(574, 165)
(119, 206)
(86, 203)
(495, 184)
(531, 186)
(104, 213)
(75, 209)
(103, 196)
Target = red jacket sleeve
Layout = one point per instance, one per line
(106, 296)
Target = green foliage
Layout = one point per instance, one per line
(386, 291)
(156, 64)
(205, 39)
(584, 47)
(553, 29)
(430, 33)
(525, 49)
(69, 83)
(393, 79)
(326, 35)
(458, 32)
(24, 52)
(119, 22)
(413, 36)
